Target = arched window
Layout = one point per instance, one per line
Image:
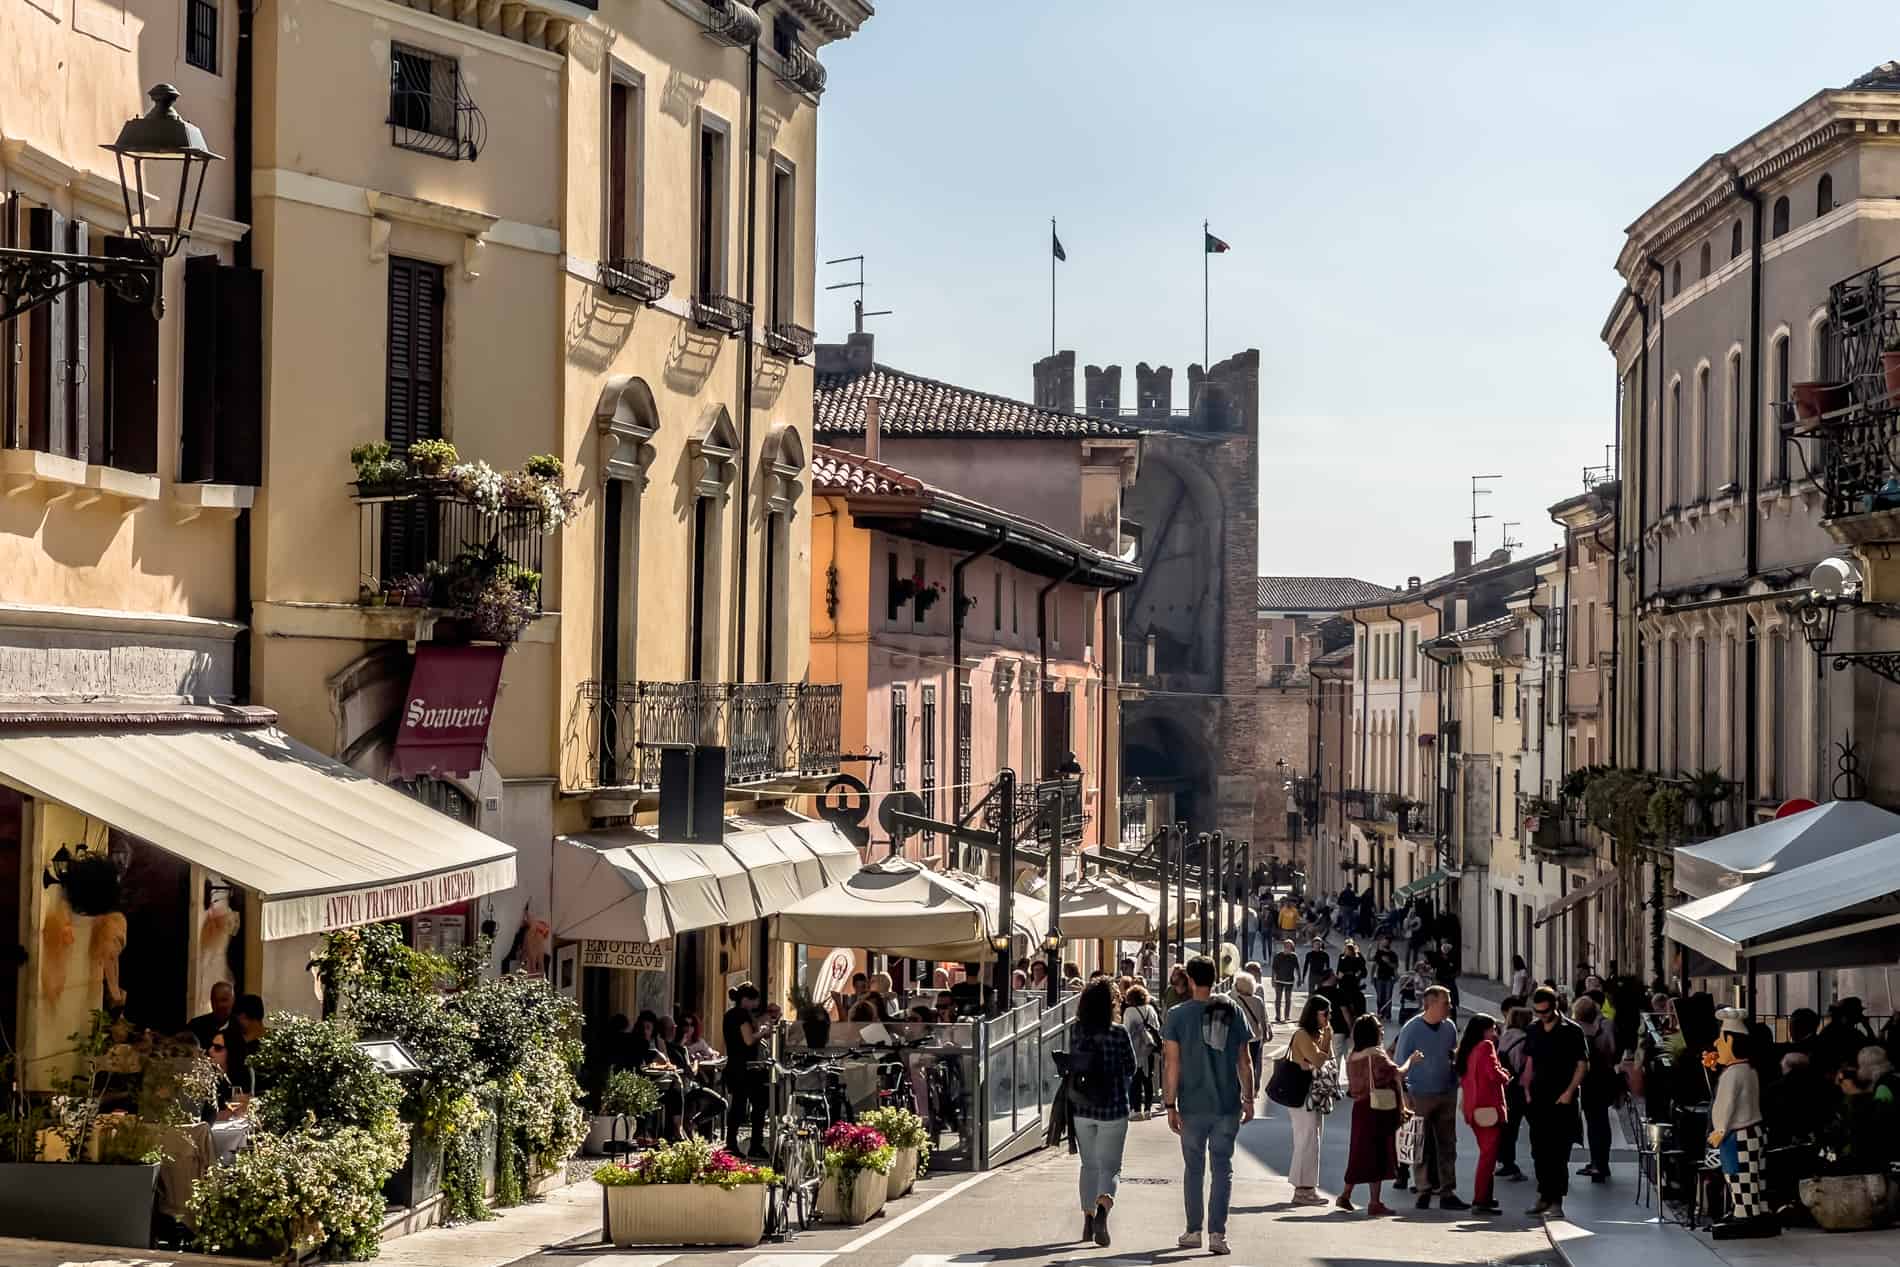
(1704, 434)
(1781, 217)
(1675, 279)
(1824, 195)
(1778, 400)
(1675, 444)
(1735, 418)
(1708, 254)
(1735, 239)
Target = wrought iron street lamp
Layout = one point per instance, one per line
(157, 151)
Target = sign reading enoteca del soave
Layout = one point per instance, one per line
(445, 719)
(638, 956)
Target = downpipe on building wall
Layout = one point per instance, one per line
(242, 144)
(745, 363)
(958, 610)
(1751, 689)
(1642, 529)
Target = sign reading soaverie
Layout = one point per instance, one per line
(636, 956)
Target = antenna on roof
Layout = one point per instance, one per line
(1509, 543)
(858, 314)
(1476, 493)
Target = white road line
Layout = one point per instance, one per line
(947, 1260)
(788, 1259)
(630, 1260)
(891, 1225)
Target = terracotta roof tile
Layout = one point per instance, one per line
(1318, 593)
(853, 474)
(919, 406)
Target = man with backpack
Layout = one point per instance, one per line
(1207, 1088)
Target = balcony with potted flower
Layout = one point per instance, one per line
(446, 550)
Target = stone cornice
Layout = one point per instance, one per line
(1818, 124)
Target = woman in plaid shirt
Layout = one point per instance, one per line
(1101, 1067)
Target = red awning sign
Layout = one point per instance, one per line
(446, 716)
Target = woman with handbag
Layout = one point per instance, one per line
(1373, 1082)
(1312, 1051)
(1482, 1079)
(1143, 1024)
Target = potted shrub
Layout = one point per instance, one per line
(857, 1169)
(431, 459)
(909, 1141)
(378, 474)
(626, 1095)
(688, 1193)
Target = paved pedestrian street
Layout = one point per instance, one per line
(1028, 1213)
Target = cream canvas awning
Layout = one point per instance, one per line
(321, 845)
(897, 907)
(629, 886)
(1780, 845)
(1095, 911)
(1842, 911)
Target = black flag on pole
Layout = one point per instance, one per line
(1055, 244)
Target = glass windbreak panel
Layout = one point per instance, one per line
(1001, 1089)
(1028, 1080)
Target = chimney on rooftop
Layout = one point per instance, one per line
(856, 355)
(1461, 556)
(1411, 582)
(873, 426)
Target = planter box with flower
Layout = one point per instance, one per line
(909, 1141)
(857, 1173)
(73, 1172)
(918, 592)
(688, 1193)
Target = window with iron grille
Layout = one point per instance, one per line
(928, 733)
(201, 34)
(429, 110)
(900, 734)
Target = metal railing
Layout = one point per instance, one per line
(801, 69)
(635, 279)
(1857, 466)
(770, 730)
(430, 111)
(788, 339)
(732, 23)
(423, 544)
(722, 312)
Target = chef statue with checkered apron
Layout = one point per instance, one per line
(1736, 1133)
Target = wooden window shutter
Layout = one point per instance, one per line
(131, 397)
(239, 454)
(198, 420)
(12, 350)
(1055, 731)
(47, 363)
(413, 402)
(78, 385)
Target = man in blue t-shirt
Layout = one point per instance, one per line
(1207, 1086)
(1431, 1091)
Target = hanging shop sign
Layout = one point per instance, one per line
(446, 715)
(633, 956)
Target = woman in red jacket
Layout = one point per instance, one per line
(1482, 1079)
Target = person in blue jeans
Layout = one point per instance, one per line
(1208, 1090)
(1101, 1067)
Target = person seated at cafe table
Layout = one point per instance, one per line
(698, 1050)
(223, 999)
(242, 1037)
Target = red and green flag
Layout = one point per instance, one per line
(1214, 245)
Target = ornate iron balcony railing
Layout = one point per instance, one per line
(732, 23)
(722, 312)
(789, 340)
(430, 110)
(770, 730)
(635, 279)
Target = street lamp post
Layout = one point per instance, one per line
(148, 150)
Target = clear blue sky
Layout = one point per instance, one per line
(1425, 203)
